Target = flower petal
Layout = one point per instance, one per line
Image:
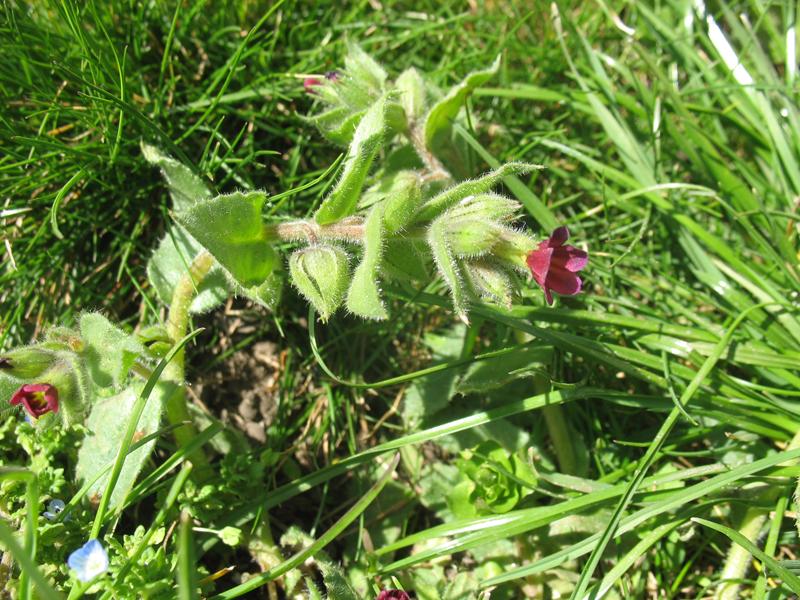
(563, 282)
(539, 263)
(558, 237)
(569, 258)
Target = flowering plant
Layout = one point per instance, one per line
(414, 217)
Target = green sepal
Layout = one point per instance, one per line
(438, 122)
(513, 248)
(471, 187)
(448, 268)
(469, 237)
(411, 87)
(363, 69)
(106, 428)
(230, 228)
(342, 200)
(320, 274)
(108, 352)
(490, 281)
(172, 260)
(27, 362)
(364, 296)
(337, 124)
(483, 207)
(185, 187)
(402, 201)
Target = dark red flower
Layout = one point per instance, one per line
(553, 265)
(37, 398)
(309, 83)
(393, 595)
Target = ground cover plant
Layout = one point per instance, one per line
(390, 301)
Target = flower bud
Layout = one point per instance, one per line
(470, 237)
(321, 274)
(484, 207)
(27, 363)
(489, 281)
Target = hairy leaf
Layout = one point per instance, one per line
(230, 228)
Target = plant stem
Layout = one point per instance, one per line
(435, 169)
(561, 435)
(562, 439)
(177, 324)
(738, 559)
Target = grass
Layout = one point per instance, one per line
(670, 140)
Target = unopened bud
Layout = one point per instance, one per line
(27, 363)
(321, 274)
(485, 207)
(402, 200)
(489, 281)
(470, 237)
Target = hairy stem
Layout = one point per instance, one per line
(436, 171)
(177, 324)
(738, 559)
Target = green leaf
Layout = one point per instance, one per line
(321, 274)
(366, 141)
(364, 296)
(268, 293)
(107, 424)
(185, 187)
(406, 259)
(231, 229)
(412, 94)
(471, 187)
(439, 119)
(108, 352)
(337, 124)
(171, 261)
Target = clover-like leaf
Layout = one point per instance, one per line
(230, 228)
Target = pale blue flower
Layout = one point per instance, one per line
(89, 561)
(54, 508)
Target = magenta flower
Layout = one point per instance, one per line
(309, 83)
(393, 595)
(37, 398)
(553, 265)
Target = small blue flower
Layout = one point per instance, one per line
(54, 508)
(89, 561)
